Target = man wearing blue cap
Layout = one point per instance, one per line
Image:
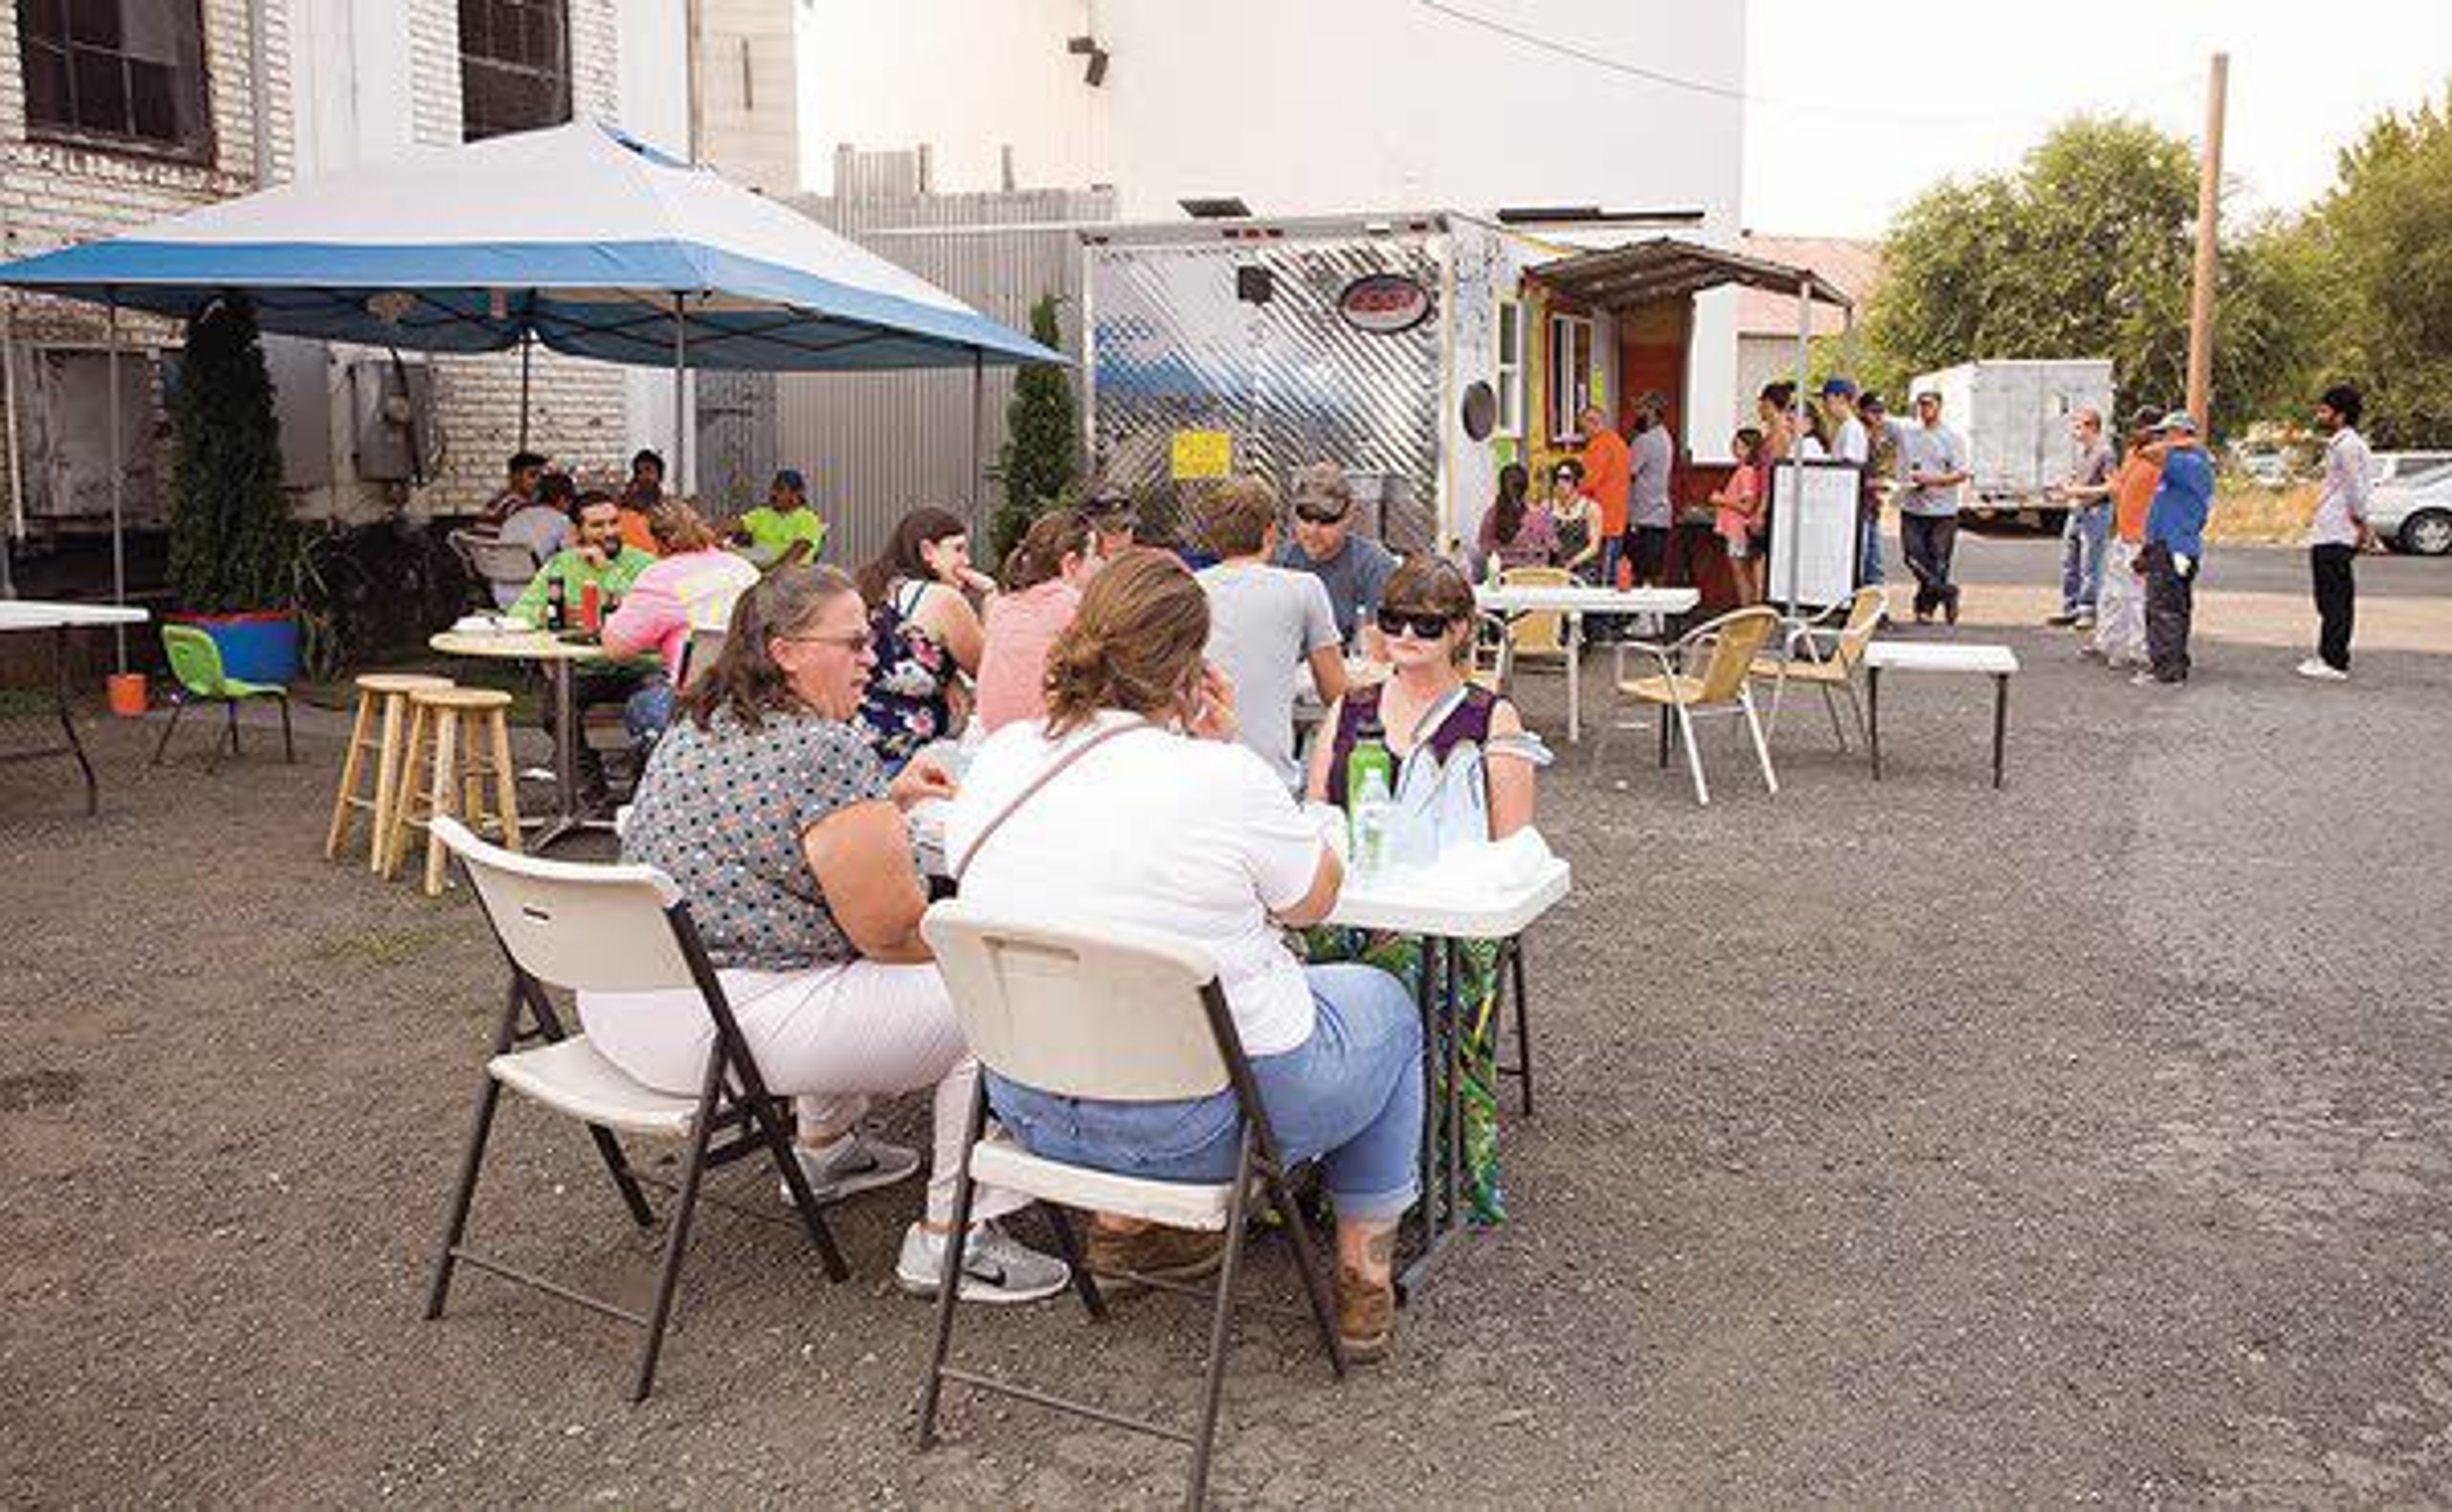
(784, 529)
(2175, 550)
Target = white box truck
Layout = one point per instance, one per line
(2015, 414)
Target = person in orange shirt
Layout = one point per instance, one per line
(1608, 469)
(2120, 613)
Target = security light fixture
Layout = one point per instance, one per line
(1094, 74)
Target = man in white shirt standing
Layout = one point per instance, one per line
(1849, 441)
(2341, 531)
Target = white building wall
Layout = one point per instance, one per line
(1297, 106)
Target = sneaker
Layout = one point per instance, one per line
(2092, 651)
(2322, 671)
(1157, 1253)
(2083, 621)
(1365, 1316)
(2148, 679)
(1949, 609)
(851, 1165)
(996, 1266)
(2061, 620)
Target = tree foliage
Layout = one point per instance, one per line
(2085, 250)
(2378, 250)
(232, 545)
(1042, 461)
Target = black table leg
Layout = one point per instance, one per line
(2000, 723)
(1437, 1208)
(68, 721)
(1873, 716)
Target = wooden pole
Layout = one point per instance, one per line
(2201, 305)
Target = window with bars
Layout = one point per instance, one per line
(514, 66)
(116, 72)
(1571, 373)
(1511, 367)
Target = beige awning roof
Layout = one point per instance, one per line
(1667, 268)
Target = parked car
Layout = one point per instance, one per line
(2385, 466)
(2412, 511)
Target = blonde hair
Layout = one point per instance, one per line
(677, 527)
(1134, 644)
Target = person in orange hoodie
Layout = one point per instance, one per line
(2120, 613)
(1608, 472)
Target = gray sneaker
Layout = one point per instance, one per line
(996, 1266)
(851, 1165)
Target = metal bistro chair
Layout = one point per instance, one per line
(610, 928)
(1125, 1015)
(1727, 647)
(196, 662)
(1826, 652)
(1540, 634)
(494, 565)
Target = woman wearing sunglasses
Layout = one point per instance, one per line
(1426, 618)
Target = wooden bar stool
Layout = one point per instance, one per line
(458, 737)
(389, 691)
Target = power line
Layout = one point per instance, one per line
(1737, 93)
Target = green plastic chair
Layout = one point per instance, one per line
(197, 664)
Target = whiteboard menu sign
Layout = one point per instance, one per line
(1813, 539)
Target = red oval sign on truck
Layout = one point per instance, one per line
(1384, 302)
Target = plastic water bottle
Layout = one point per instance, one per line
(1375, 813)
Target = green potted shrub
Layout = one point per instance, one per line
(1040, 466)
(235, 554)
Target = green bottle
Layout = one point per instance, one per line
(1370, 754)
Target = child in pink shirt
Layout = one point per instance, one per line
(1045, 577)
(1737, 513)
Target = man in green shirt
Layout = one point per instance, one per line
(596, 557)
(785, 529)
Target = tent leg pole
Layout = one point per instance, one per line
(681, 393)
(978, 473)
(1796, 444)
(527, 350)
(16, 530)
(118, 482)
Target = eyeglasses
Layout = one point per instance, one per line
(1317, 515)
(848, 641)
(1424, 626)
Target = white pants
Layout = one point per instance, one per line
(829, 1038)
(2120, 612)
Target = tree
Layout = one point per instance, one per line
(1041, 462)
(232, 545)
(2086, 252)
(2379, 247)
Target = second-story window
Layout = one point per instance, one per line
(514, 66)
(116, 73)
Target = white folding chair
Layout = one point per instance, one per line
(495, 564)
(697, 656)
(610, 928)
(1120, 1015)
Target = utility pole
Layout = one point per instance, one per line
(2201, 303)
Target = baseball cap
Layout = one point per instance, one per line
(790, 478)
(1838, 389)
(2147, 418)
(2176, 420)
(1321, 491)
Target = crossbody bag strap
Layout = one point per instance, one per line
(1053, 770)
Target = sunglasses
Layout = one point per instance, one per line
(1315, 514)
(1424, 626)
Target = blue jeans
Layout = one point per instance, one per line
(2082, 541)
(1349, 1096)
(649, 711)
(1869, 570)
(1612, 552)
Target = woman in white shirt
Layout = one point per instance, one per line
(1172, 826)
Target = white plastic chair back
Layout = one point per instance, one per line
(493, 562)
(598, 929)
(1081, 1011)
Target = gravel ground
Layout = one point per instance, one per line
(1910, 1142)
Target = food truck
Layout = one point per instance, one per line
(1421, 352)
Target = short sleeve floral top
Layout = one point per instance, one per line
(721, 811)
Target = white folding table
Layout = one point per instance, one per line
(2000, 663)
(1426, 903)
(59, 619)
(1574, 601)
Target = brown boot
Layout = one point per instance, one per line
(1157, 1252)
(1366, 1315)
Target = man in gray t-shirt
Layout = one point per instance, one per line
(2088, 493)
(1266, 623)
(1353, 568)
(1650, 458)
(1932, 465)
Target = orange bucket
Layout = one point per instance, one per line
(128, 696)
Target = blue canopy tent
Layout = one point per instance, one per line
(578, 237)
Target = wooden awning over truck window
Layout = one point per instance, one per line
(1667, 268)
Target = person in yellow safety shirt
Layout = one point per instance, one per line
(784, 529)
